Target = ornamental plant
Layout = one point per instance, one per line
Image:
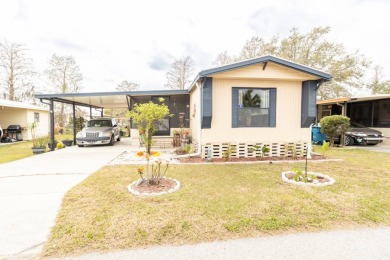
(147, 117)
(264, 149)
(334, 126)
(153, 172)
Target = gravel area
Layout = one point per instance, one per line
(368, 243)
(132, 158)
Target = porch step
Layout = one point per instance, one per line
(162, 142)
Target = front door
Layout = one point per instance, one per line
(163, 124)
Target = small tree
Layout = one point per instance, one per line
(333, 126)
(146, 116)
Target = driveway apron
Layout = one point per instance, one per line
(31, 192)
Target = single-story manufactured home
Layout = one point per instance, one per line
(262, 101)
(22, 114)
(370, 111)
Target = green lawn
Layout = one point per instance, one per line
(15, 151)
(218, 202)
(19, 150)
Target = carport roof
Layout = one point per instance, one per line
(116, 99)
(353, 99)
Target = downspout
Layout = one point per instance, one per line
(51, 110)
(199, 151)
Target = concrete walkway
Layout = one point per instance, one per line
(31, 192)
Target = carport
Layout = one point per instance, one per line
(177, 99)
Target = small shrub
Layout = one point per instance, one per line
(264, 149)
(333, 126)
(325, 147)
(227, 154)
(60, 145)
(187, 148)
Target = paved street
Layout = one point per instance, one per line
(357, 244)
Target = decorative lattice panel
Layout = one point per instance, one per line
(253, 149)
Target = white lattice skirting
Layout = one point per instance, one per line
(243, 150)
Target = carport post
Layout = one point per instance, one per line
(51, 107)
(74, 124)
(90, 112)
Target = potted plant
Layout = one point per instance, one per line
(39, 143)
(54, 145)
(176, 138)
(67, 142)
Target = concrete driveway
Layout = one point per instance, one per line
(383, 148)
(31, 192)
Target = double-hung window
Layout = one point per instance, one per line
(36, 117)
(254, 107)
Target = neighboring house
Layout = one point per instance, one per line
(261, 101)
(370, 111)
(266, 100)
(18, 113)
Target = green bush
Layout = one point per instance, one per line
(60, 145)
(334, 126)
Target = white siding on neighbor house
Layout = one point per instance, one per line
(23, 117)
(43, 125)
(288, 114)
(14, 116)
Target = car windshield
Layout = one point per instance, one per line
(356, 125)
(99, 123)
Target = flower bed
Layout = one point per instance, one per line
(166, 186)
(314, 179)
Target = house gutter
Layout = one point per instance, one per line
(199, 86)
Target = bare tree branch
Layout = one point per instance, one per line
(314, 50)
(178, 77)
(16, 72)
(65, 76)
(127, 86)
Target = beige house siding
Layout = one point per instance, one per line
(271, 72)
(288, 114)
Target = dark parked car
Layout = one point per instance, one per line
(99, 131)
(360, 134)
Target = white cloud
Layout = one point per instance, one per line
(137, 41)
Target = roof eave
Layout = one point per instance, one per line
(322, 75)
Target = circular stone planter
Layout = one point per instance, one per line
(152, 194)
(317, 183)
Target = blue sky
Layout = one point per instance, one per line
(137, 41)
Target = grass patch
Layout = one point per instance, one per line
(15, 151)
(19, 150)
(219, 202)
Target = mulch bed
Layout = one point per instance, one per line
(164, 185)
(198, 159)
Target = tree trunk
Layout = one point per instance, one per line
(149, 140)
(61, 116)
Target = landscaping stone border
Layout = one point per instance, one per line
(330, 182)
(153, 194)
